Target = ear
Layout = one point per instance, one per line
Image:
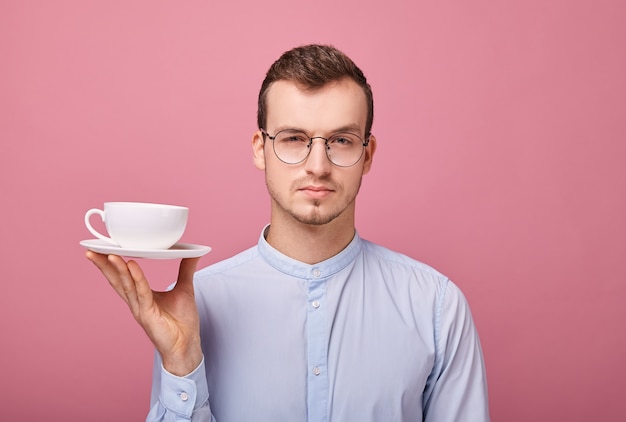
(370, 149)
(258, 150)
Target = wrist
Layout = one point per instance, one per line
(182, 363)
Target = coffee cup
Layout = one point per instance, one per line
(140, 225)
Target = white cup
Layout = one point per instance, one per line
(138, 225)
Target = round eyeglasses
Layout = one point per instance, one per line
(343, 149)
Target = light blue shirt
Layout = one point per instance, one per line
(367, 335)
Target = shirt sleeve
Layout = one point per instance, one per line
(457, 387)
(175, 398)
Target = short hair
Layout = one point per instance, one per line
(311, 67)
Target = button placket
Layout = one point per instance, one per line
(317, 345)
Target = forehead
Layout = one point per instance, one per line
(334, 106)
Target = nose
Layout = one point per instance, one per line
(317, 163)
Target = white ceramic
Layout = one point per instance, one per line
(179, 250)
(140, 225)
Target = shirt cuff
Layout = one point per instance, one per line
(182, 395)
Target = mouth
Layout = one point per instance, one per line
(316, 191)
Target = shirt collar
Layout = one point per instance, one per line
(295, 268)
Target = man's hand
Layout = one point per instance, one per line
(170, 319)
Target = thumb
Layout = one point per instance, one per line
(185, 274)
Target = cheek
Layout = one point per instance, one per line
(353, 180)
(276, 177)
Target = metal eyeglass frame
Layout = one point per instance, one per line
(365, 144)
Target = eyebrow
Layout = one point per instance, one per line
(353, 127)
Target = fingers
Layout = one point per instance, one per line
(125, 283)
(126, 279)
(108, 269)
(185, 274)
(142, 291)
(130, 283)
(102, 262)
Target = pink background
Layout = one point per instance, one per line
(501, 129)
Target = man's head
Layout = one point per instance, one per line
(314, 96)
(311, 67)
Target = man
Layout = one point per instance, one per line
(313, 323)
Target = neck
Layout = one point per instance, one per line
(311, 243)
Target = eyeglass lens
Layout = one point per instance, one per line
(343, 149)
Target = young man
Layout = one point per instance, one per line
(313, 323)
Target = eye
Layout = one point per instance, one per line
(289, 137)
(343, 139)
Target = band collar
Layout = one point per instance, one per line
(299, 269)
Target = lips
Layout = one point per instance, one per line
(316, 191)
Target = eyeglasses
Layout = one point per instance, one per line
(343, 149)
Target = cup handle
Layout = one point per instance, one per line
(93, 231)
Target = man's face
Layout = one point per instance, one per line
(314, 191)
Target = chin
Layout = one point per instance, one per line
(316, 218)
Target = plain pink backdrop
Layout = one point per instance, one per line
(501, 149)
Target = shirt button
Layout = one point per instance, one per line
(315, 304)
(316, 370)
(317, 272)
(184, 396)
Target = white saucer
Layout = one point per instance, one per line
(179, 250)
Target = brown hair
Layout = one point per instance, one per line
(312, 67)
